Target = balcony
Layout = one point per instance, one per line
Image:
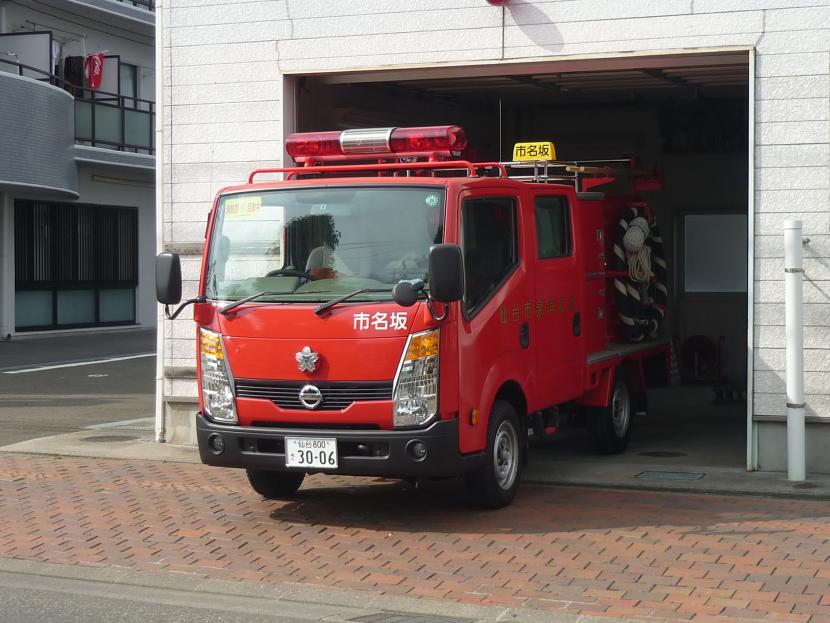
(115, 122)
(138, 15)
(104, 120)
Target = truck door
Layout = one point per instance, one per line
(494, 328)
(557, 325)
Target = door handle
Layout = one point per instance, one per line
(524, 335)
(577, 324)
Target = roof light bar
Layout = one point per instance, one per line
(448, 140)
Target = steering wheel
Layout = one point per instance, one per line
(288, 272)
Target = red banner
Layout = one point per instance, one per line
(94, 70)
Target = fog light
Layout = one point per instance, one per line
(216, 443)
(417, 449)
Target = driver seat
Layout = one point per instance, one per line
(320, 263)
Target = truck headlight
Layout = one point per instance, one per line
(217, 387)
(416, 385)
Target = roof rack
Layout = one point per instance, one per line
(582, 174)
(471, 168)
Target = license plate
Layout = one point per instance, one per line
(309, 452)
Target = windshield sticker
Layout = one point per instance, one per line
(380, 321)
(243, 207)
(432, 200)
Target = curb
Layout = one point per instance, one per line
(699, 490)
(300, 593)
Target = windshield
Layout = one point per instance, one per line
(315, 244)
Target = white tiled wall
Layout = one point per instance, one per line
(226, 58)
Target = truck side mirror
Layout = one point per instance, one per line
(446, 273)
(168, 278)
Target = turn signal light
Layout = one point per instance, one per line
(445, 140)
(422, 345)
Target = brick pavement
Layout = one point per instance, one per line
(587, 551)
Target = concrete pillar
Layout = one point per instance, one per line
(6, 265)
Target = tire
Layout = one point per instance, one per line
(275, 485)
(495, 483)
(610, 427)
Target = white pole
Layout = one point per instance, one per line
(794, 321)
(160, 178)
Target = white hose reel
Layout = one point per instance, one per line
(637, 253)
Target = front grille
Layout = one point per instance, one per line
(336, 395)
(314, 425)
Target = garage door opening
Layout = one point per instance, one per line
(687, 115)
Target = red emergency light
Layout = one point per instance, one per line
(429, 141)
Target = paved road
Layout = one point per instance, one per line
(37, 403)
(566, 550)
(73, 347)
(26, 598)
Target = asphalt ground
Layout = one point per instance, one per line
(27, 597)
(30, 351)
(71, 392)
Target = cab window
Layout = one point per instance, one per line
(553, 227)
(489, 244)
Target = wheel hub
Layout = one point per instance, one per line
(620, 410)
(505, 457)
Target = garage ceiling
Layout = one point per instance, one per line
(592, 86)
(597, 80)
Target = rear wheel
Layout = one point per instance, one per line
(610, 427)
(495, 483)
(275, 485)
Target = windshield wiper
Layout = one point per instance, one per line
(329, 304)
(230, 307)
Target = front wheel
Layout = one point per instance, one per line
(275, 485)
(495, 483)
(610, 426)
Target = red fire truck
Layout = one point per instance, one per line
(390, 309)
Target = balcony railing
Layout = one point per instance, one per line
(114, 121)
(103, 119)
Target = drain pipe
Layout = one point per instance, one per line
(161, 5)
(794, 322)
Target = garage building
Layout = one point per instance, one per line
(730, 99)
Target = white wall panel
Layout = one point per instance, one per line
(790, 178)
(812, 109)
(800, 200)
(812, 63)
(790, 42)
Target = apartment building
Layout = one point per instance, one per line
(77, 165)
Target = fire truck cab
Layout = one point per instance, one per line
(416, 315)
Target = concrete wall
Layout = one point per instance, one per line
(136, 190)
(224, 67)
(38, 129)
(6, 266)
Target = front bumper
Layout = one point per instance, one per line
(360, 452)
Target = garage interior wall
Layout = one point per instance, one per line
(704, 163)
(691, 122)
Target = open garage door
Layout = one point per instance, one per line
(688, 115)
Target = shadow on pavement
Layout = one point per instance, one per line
(442, 506)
